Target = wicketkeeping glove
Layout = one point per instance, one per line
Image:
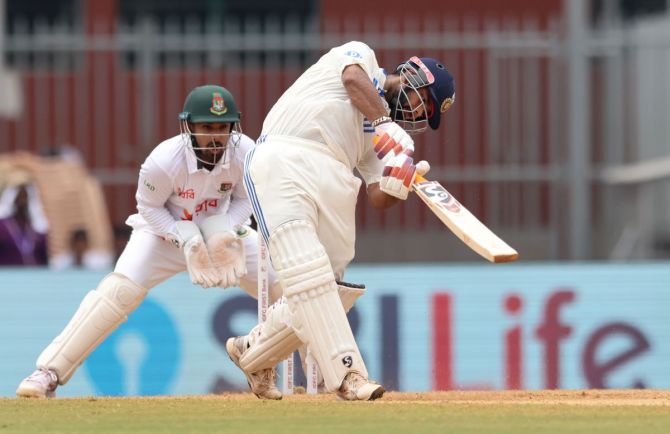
(399, 174)
(391, 140)
(198, 263)
(226, 248)
(227, 252)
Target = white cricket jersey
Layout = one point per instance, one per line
(317, 108)
(171, 187)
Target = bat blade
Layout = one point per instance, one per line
(462, 222)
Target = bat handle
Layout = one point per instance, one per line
(419, 178)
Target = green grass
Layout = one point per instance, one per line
(245, 414)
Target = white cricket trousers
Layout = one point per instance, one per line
(294, 179)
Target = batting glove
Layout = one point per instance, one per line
(399, 174)
(391, 140)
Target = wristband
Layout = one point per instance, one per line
(381, 120)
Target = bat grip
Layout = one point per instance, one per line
(419, 178)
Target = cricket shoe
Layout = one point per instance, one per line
(262, 383)
(40, 384)
(355, 387)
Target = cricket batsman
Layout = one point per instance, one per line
(192, 211)
(343, 114)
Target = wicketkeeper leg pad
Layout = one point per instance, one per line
(317, 314)
(99, 314)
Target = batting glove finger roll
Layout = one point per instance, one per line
(398, 176)
(390, 140)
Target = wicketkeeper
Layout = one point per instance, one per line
(192, 211)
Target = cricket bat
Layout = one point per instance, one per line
(462, 223)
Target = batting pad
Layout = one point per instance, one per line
(349, 293)
(99, 314)
(317, 314)
(272, 341)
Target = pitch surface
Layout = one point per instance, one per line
(592, 411)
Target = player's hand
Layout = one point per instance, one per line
(226, 248)
(200, 267)
(227, 252)
(198, 263)
(399, 174)
(390, 140)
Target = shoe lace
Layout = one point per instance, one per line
(35, 375)
(43, 375)
(269, 376)
(354, 380)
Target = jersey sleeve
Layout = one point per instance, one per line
(154, 187)
(240, 205)
(356, 53)
(370, 167)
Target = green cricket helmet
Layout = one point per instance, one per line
(211, 104)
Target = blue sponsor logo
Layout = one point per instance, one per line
(380, 91)
(354, 54)
(142, 357)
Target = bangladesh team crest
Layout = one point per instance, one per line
(218, 104)
(224, 187)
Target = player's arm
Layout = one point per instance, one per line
(362, 93)
(154, 187)
(240, 206)
(371, 170)
(369, 167)
(391, 143)
(222, 232)
(379, 199)
(153, 191)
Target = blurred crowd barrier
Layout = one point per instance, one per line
(70, 200)
(509, 149)
(543, 326)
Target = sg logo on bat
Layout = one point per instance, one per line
(439, 196)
